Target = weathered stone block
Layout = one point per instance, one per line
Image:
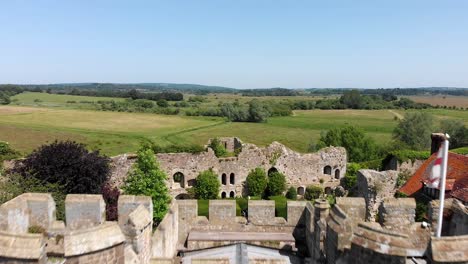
(41, 207)
(128, 203)
(222, 211)
(397, 213)
(261, 212)
(84, 210)
(354, 207)
(296, 213)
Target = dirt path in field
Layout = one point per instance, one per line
(396, 114)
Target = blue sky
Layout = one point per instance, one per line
(242, 44)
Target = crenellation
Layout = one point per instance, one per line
(338, 234)
(84, 210)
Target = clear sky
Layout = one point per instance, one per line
(242, 44)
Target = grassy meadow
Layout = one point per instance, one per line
(29, 124)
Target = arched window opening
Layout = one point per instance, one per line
(272, 170)
(182, 196)
(327, 170)
(337, 174)
(232, 194)
(231, 178)
(179, 177)
(223, 195)
(223, 179)
(192, 182)
(300, 190)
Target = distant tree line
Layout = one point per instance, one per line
(134, 94)
(7, 91)
(270, 92)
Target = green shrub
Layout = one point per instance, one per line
(256, 182)
(147, 178)
(403, 177)
(291, 193)
(313, 192)
(207, 186)
(15, 184)
(218, 148)
(276, 184)
(68, 164)
(35, 229)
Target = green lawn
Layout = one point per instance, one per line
(58, 100)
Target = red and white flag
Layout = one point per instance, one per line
(436, 173)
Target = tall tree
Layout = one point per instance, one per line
(457, 131)
(358, 145)
(148, 179)
(415, 130)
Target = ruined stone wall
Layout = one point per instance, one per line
(409, 166)
(375, 186)
(300, 169)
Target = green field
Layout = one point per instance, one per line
(58, 100)
(27, 127)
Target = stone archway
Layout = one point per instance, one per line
(179, 178)
(327, 170)
(300, 190)
(337, 174)
(223, 195)
(232, 194)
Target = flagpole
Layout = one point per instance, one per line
(442, 186)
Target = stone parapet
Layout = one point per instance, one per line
(222, 211)
(296, 213)
(261, 212)
(453, 249)
(28, 209)
(166, 236)
(28, 247)
(397, 213)
(96, 238)
(84, 210)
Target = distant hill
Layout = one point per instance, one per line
(149, 87)
(205, 89)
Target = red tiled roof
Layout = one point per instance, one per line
(457, 169)
(460, 189)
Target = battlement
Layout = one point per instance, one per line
(85, 236)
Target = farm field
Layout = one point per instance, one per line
(25, 128)
(441, 100)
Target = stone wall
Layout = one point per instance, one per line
(343, 219)
(455, 221)
(375, 186)
(397, 213)
(87, 237)
(301, 170)
(407, 166)
(165, 238)
(452, 249)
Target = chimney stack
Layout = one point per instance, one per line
(436, 139)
